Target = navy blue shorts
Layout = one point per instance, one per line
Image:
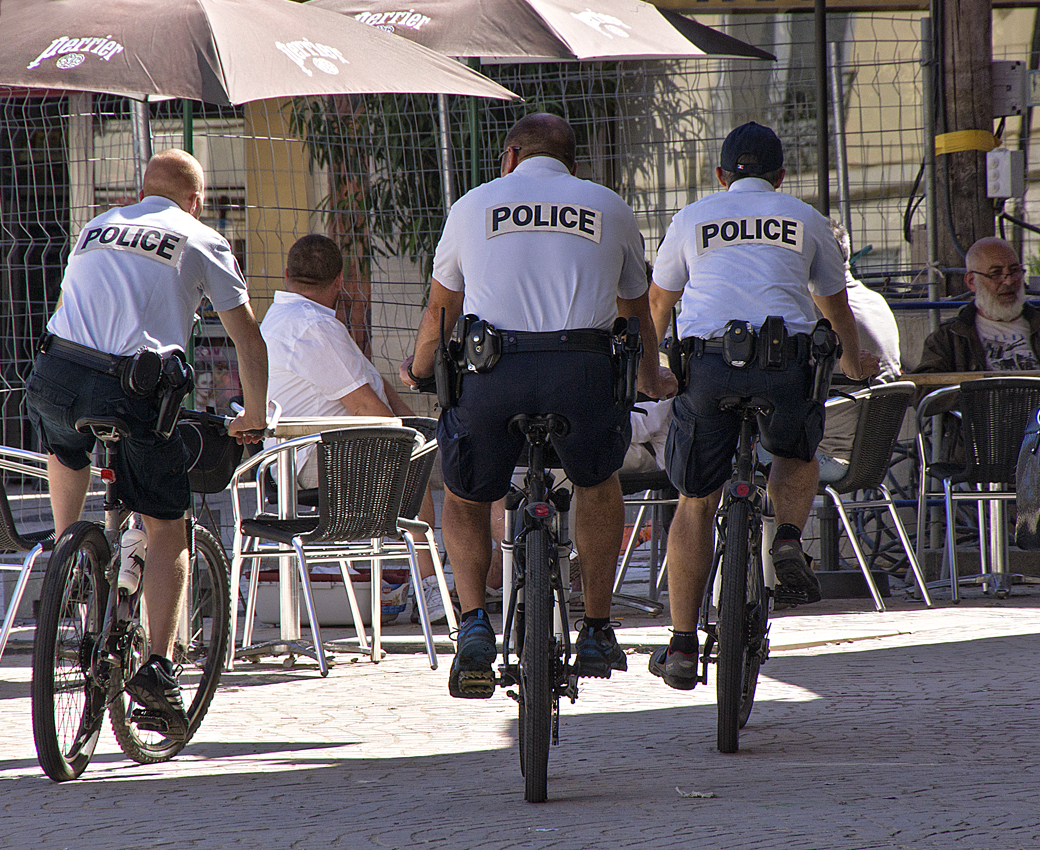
(702, 439)
(151, 475)
(478, 454)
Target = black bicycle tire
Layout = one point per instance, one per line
(756, 622)
(731, 631)
(536, 668)
(77, 566)
(210, 570)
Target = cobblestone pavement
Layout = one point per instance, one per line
(909, 729)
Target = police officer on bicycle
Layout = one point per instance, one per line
(736, 258)
(548, 261)
(134, 280)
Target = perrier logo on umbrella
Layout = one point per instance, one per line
(72, 51)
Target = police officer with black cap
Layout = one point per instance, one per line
(745, 254)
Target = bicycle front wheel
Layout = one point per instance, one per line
(731, 631)
(536, 668)
(68, 701)
(756, 625)
(199, 652)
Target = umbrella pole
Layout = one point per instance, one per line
(141, 133)
(474, 122)
(445, 144)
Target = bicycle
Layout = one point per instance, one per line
(536, 549)
(90, 641)
(738, 637)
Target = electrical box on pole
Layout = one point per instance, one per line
(1009, 88)
(1005, 173)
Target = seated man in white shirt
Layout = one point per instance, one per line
(316, 368)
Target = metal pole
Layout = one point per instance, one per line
(823, 200)
(931, 207)
(447, 188)
(842, 162)
(188, 119)
(474, 126)
(142, 139)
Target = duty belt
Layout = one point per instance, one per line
(108, 364)
(795, 346)
(584, 339)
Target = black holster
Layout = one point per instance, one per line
(627, 352)
(824, 352)
(175, 382)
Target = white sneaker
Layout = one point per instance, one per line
(431, 592)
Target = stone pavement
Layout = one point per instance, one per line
(909, 729)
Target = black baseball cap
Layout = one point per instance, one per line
(749, 141)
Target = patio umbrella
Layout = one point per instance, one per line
(219, 51)
(545, 30)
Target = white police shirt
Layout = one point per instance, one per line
(541, 250)
(748, 253)
(314, 361)
(137, 275)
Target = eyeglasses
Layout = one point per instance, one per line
(504, 153)
(1013, 272)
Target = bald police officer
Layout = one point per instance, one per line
(744, 254)
(134, 280)
(549, 260)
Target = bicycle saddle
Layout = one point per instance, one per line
(104, 427)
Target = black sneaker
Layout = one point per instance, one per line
(155, 687)
(678, 669)
(796, 582)
(471, 675)
(596, 653)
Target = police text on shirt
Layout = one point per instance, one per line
(543, 218)
(781, 231)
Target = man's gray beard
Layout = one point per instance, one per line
(992, 309)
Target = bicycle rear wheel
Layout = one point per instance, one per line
(756, 624)
(537, 691)
(68, 702)
(199, 651)
(731, 631)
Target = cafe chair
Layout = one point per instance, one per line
(994, 413)
(652, 493)
(880, 411)
(361, 481)
(19, 549)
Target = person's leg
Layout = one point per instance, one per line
(792, 488)
(165, 575)
(68, 491)
(428, 515)
(599, 522)
(691, 546)
(466, 527)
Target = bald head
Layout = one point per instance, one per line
(177, 175)
(542, 134)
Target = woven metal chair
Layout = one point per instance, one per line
(994, 413)
(25, 546)
(652, 493)
(361, 480)
(880, 412)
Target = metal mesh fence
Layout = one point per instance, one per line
(372, 171)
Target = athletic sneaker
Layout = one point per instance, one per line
(678, 669)
(155, 687)
(796, 582)
(472, 676)
(597, 653)
(431, 592)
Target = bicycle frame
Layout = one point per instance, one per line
(538, 506)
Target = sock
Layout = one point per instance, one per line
(470, 615)
(787, 531)
(597, 624)
(684, 642)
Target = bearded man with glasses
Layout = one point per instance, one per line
(997, 331)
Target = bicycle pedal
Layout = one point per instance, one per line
(476, 684)
(150, 721)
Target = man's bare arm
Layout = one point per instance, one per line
(429, 335)
(661, 303)
(241, 326)
(653, 380)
